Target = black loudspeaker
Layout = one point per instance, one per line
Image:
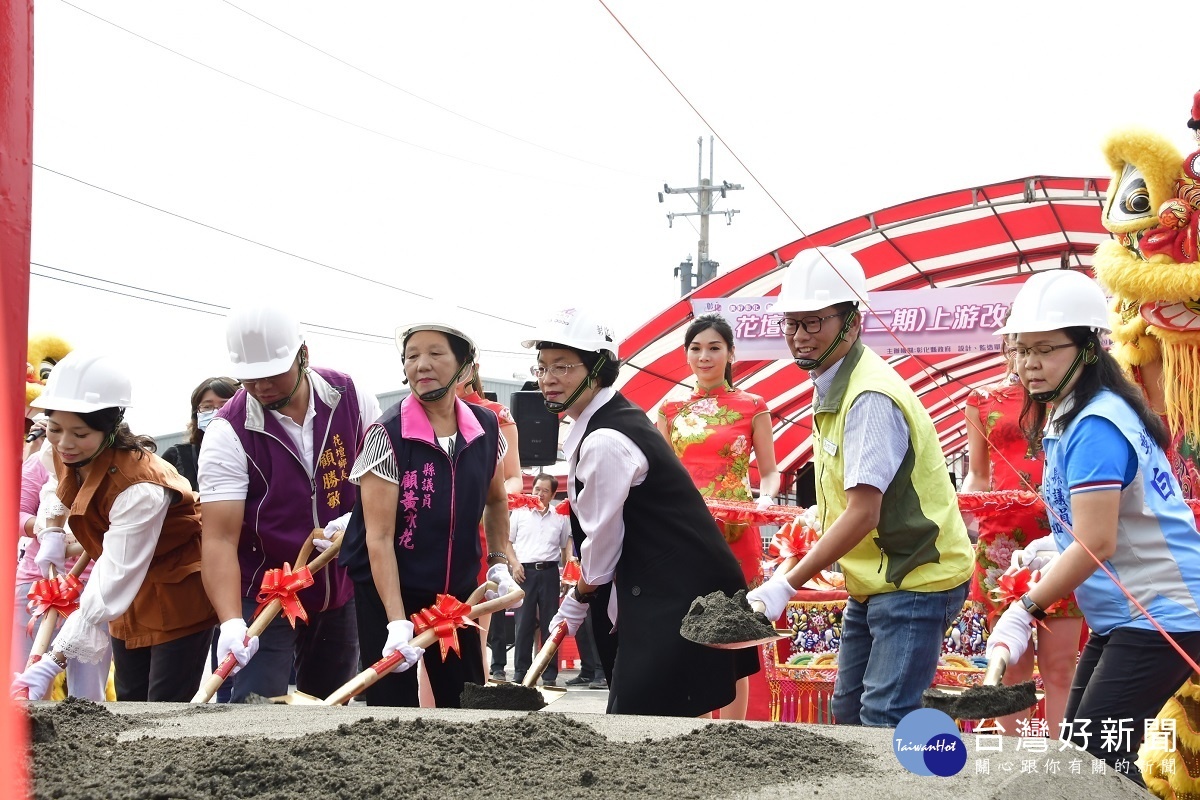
(537, 429)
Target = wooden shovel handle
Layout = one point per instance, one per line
(265, 617)
(45, 634)
(369, 676)
(545, 655)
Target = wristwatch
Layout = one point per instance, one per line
(581, 597)
(1033, 608)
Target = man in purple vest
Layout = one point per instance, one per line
(275, 465)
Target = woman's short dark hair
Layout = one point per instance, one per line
(111, 422)
(1105, 373)
(224, 388)
(719, 324)
(462, 351)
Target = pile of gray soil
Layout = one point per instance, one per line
(77, 755)
(502, 696)
(717, 619)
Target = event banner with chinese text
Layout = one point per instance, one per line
(938, 322)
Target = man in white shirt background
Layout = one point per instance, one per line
(541, 538)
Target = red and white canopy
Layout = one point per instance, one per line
(1000, 233)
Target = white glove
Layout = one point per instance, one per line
(400, 633)
(1030, 556)
(499, 575)
(232, 641)
(334, 527)
(1012, 630)
(53, 550)
(774, 594)
(572, 612)
(765, 501)
(36, 678)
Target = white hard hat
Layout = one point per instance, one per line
(402, 334)
(820, 277)
(263, 341)
(578, 329)
(1055, 299)
(83, 382)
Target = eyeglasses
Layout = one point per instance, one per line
(557, 370)
(810, 324)
(1022, 353)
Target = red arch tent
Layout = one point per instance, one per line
(1000, 233)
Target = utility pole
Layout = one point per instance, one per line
(705, 195)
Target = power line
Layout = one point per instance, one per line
(425, 100)
(218, 310)
(305, 106)
(273, 248)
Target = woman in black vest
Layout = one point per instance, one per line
(207, 400)
(428, 472)
(648, 545)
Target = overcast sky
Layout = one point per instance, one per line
(504, 157)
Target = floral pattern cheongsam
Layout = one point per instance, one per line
(1002, 534)
(712, 432)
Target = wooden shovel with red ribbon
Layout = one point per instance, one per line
(50, 598)
(277, 594)
(438, 623)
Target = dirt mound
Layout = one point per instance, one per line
(532, 756)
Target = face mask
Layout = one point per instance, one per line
(204, 417)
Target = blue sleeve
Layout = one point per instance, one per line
(1097, 454)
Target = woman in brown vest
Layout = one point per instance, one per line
(138, 519)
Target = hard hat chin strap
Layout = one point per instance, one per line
(809, 364)
(555, 407)
(283, 401)
(433, 395)
(1086, 355)
(108, 442)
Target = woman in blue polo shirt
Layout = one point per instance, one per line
(1112, 499)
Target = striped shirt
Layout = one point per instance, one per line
(876, 436)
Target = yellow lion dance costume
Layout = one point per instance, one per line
(1152, 270)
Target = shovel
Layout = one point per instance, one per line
(369, 676)
(267, 615)
(523, 696)
(992, 699)
(755, 607)
(41, 642)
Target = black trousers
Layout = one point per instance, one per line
(1124, 677)
(540, 606)
(590, 667)
(169, 672)
(446, 678)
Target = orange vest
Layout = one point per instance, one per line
(171, 602)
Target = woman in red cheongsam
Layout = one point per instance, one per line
(714, 432)
(1000, 459)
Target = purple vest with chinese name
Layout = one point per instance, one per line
(442, 497)
(283, 504)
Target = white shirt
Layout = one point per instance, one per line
(538, 535)
(609, 464)
(135, 523)
(222, 466)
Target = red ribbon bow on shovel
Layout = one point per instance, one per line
(516, 501)
(61, 594)
(793, 540)
(444, 618)
(282, 585)
(1011, 588)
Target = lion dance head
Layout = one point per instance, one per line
(1152, 271)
